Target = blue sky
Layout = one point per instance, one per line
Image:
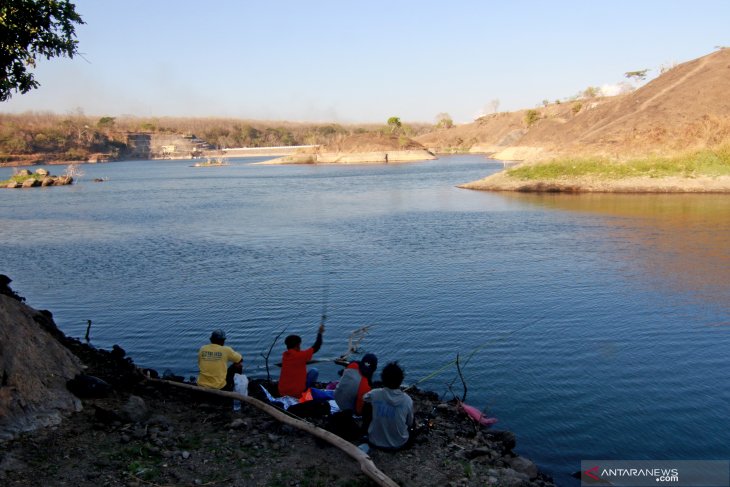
(364, 61)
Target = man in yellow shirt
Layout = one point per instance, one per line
(213, 361)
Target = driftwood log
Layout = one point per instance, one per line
(367, 465)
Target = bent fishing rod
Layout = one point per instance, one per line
(474, 351)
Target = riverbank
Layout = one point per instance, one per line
(134, 432)
(706, 171)
(367, 157)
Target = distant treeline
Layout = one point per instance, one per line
(79, 137)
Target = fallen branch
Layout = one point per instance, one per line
(367, 466)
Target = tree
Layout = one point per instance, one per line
(492, 106)
(639, 75)
(106, 123)
(394, 123)
(444, 120)
(591, 92)
(531, 116)
(30, 29)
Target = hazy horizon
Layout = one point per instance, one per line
(344, 63)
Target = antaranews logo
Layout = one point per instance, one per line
(679, 473)
(592, 472)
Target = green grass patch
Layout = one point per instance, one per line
(20, 179)
(710, 163)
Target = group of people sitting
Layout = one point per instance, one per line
(384, 415)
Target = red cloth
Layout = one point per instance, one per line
(293, 378)
(361, 390)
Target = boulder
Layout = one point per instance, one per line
(135, 410)
(31, 182)
(47, 181)
(42, 172)
(88, 386)
(523, 465)
(34, 368)
(13, 185)
(63, 180)
(505, 439)
(24, 173)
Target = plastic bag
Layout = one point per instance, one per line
(240, 386)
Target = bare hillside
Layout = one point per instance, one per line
(687, 107)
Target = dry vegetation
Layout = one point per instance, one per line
(685, 108)
(34, 137)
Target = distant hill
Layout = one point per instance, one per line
(687, 107)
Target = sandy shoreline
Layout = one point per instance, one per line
(503, 182)
(363, 157)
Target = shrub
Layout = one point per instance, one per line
(531, 117)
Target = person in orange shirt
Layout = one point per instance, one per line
(213, 361)
(294, 378)
(356, 381)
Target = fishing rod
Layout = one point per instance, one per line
(325, 290)
(474, 351)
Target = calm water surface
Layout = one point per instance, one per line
(599, 324)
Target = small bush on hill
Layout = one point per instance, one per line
(531, 117)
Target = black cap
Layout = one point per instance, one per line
(368, 364)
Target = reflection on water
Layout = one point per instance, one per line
(681, 242)
(597, 322)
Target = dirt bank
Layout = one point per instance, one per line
(136, 433)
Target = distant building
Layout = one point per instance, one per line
(164, 146)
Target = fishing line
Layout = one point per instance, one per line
(325, 289)
(475, 350)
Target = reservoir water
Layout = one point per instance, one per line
(596, 326)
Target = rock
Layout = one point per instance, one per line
(478, 452)
(185, 454)
(237, 423)
(512, 478)
(117, 352)
(13, 185)
(135, 409)
(24, 172)
(88, 386)
(523, 465)
(9, 462)
(63, 180)
(35, 368)
(31, 182)
(47, 181)
(105, 416)
(139, 433)
(506, 439)
(160, 420)
(42, 172)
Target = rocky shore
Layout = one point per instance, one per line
(119, 428)
(40, 178)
